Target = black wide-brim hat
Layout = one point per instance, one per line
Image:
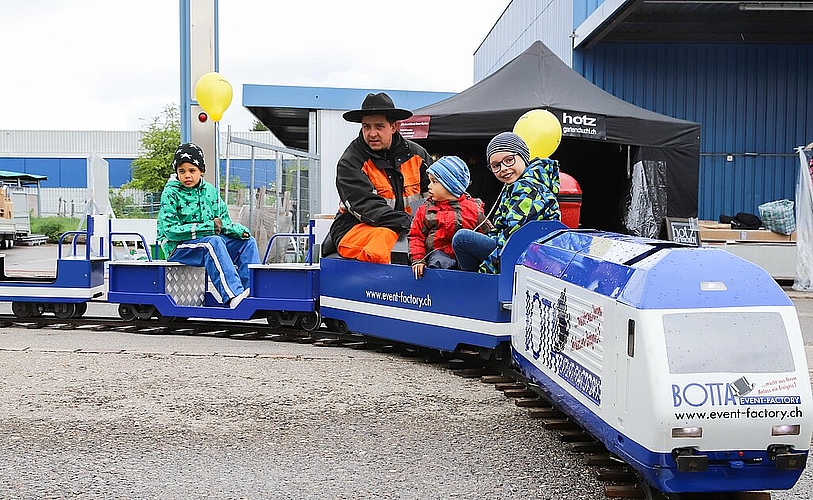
(377, 104)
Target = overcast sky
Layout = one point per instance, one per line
(114, 64)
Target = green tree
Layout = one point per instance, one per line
(235, 185)
(124, 206)
(258, 126)
(159, 141)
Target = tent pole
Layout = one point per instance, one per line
(629, 160)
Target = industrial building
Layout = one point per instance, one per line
(741, 69)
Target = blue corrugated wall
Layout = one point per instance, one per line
(583, 8)
(71, 172)
(754, 102)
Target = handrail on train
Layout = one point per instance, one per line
(311, 242)
(143, 242)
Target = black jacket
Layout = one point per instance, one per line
(357, 194)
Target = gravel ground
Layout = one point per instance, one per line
(180, 417)
(111, 415)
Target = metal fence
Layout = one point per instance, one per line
(283, 205)
(72, 202)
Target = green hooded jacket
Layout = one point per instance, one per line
(189, 213)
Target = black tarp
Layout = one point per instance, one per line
(634, 166)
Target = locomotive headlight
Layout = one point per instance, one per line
(716, 286)
(785, 430)
(687, 432)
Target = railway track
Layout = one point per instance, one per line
(619, 479)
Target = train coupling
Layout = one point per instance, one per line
(784, 457)
(689, 460)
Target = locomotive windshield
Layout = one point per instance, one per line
(717, 342)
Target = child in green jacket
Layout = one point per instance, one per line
(194, 228)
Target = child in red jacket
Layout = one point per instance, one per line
(448, 208)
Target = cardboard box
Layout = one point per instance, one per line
(716, 231)
(5, 203)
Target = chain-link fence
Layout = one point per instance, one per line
(284, 205)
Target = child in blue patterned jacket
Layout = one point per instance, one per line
(529, 194)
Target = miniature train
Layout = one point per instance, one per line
(688, 363)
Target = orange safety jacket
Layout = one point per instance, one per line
(376, 188)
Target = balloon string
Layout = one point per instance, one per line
(494, 206)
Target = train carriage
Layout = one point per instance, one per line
(79, 277)
(446, 310)
(284, 294)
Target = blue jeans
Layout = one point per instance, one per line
(471, 248)
(219, 255)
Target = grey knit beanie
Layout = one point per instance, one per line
(508, 142)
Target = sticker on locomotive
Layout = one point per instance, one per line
(741, 386)
(735, 393)
(400, 297)
(557, 336)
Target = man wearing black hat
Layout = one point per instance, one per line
(378, 176)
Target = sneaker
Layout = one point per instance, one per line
(233, 303)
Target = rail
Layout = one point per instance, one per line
(87, 244)
(311, 241)
(124, 233)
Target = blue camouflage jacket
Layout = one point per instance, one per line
(531, 197)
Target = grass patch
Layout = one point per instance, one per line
(53, 227)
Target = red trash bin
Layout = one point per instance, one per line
(570, 200)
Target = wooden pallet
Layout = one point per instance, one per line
(32, 240)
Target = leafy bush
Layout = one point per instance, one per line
(124, 206)
(53, 227)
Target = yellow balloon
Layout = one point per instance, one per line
(214, 94)
(541, 131)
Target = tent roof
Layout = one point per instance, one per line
(537, 78)
(20, 177)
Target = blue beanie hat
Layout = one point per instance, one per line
(452, 173)
(508, 142)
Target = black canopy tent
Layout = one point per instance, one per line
(634, 166)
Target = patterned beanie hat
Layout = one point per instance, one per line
(511, 143)
(189, 153)
(452, 173)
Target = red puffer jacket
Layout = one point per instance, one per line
(436, 222)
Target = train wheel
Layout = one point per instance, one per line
(64, 311)
(144, 312)
(81, 309)
(126, 312)
(165, 320)
(311, 321)
(651, 493)
(274, 320)
(22, 309)
(336, 325)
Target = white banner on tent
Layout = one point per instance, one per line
(804, 222)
